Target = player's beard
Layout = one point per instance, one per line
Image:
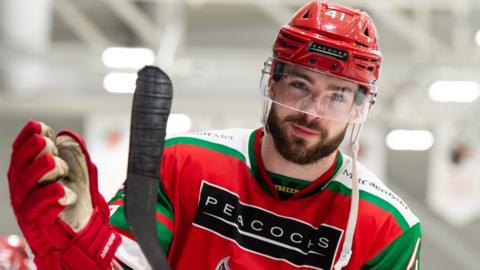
(295, 149)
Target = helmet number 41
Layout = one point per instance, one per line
(335, 14)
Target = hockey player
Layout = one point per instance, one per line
(279, 197)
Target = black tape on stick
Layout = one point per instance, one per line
(150, 109)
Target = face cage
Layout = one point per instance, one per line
(360, 116)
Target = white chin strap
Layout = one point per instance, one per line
(352, 216)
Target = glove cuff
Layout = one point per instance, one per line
(94, 247)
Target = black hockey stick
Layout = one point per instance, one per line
(150, 109)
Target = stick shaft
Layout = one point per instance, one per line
(150, 109)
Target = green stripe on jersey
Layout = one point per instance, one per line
(339, 163)
(287, 179)
(338, 187)
(163, 206)
(398, 254)
(255, 170)
(202, 143)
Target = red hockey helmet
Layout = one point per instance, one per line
(332, 39)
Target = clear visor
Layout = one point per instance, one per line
(314, 93)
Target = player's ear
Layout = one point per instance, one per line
(271, 88)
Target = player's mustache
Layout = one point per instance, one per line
(302, 121)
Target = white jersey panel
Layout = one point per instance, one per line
(236, 139)
(370, 183)
(129, 253)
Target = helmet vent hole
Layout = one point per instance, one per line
(370, 68)
(307, 15)
(366, 32)
(361, 44)
(360, 58)
(289, 42)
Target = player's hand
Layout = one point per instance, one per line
(54, 194)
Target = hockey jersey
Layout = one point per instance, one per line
(217, 208)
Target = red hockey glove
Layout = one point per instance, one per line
(54, 194)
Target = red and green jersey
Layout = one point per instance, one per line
(218, 208)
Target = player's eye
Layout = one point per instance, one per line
(337, 98)
(299, 88)
(299, 85)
